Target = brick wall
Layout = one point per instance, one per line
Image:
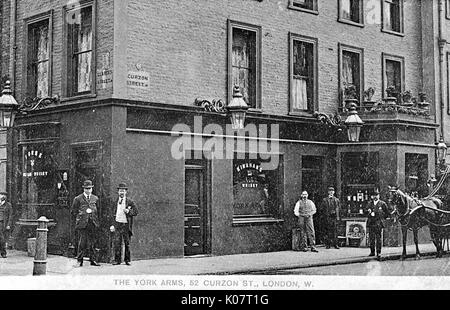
(183, 45)
(30, 8)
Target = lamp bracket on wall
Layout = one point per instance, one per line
(334, 121)
(32, 104)
(211, 106)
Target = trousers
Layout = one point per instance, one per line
(3, 235)
(375, 239)
(121, 234)
(331, 235)
(86, 242)
(307, 231)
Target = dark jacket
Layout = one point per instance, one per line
(80, 207)
(331, 207)
(7, 215)
(377, 214)
(129, 204)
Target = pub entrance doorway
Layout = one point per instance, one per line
(196, 208)
(85, 165)
(312, 182)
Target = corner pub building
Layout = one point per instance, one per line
(119, 79)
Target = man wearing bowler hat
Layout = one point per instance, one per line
(84, 206)
(5, 222)
(122, 224)
(377, 212)
(331, 207)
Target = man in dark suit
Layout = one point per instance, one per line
(122, 224)
(377, 213)
(84, 206)
(331, 207)
(5, 222)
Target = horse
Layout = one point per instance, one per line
(413, 214)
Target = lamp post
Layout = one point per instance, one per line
(441, 151)
(237, 108)
(353, 123)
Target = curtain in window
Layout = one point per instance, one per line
(302, 80)
(42, 57)
(84, 43)
(347, 69)
(241, 65)
(346, 9)
(300, 94)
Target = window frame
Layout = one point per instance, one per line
(68, 91)
(314, 11)
(231, 24)
(447, 9)
(396, 58)
(357, 50)
(297, 37)
(27, 22)
(401, 16)
(341, 19)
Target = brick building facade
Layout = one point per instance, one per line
(127, 72)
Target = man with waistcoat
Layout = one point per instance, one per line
(122, 226)
(304, 210)
(84, 206)
(5, 222)
(377, 212)
(331, 207)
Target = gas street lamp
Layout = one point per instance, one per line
(353, 123)
(442, 151)
(8, 107)
(237, 108)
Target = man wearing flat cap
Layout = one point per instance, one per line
(84, 207)
(331, 207)
(5, 222)
(122, 224)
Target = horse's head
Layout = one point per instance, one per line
(398, 201)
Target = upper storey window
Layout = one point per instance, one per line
(393, 16)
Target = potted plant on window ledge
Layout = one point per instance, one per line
(350, 95)
(423, 101)
(392, 95)
(407, 99)
(368, 94)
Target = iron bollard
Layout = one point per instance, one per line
(40, 258)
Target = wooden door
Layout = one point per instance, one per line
(195, 211)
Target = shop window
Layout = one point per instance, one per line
(38, 56)
(393, 16)
(309, 6)
(359, 177)
(351, 69)
(416, 174)
(244, 62)
(80, 47)
(303, 73)
(37, 175)
(351, 11)
(257, 192)
(393, 71)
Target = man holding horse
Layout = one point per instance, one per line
(377, 212)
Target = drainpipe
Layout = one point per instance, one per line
(441, 42)
(12, 46)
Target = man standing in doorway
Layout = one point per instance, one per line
(5, 222)
(84, 206)
(125, 209)
(331, 207)
(304, 210)
(377, 211)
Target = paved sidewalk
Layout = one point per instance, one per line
(19, 264)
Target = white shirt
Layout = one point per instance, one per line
(120, 215)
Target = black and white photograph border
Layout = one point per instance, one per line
(234, 145)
